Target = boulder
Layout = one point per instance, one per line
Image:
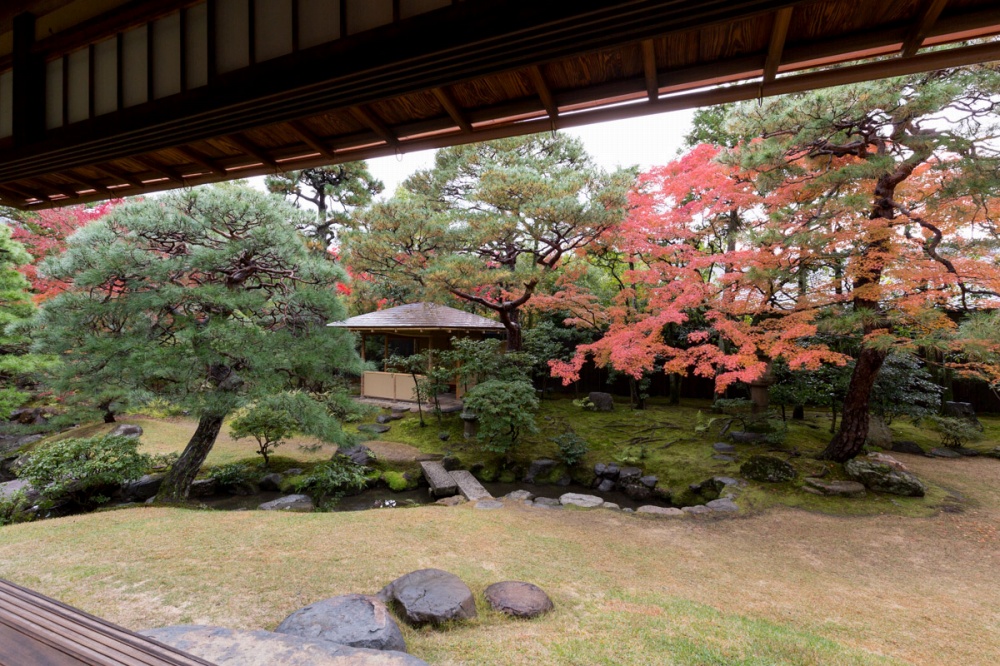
(878, 433)
(723, 447)
(29, 416)
(430, 596)
(723, 505)
(767, 469)
(270, 482)
(444, 436)
(748, 437)
(203, 488)
(539, 468)
(886, 459)
(519, 495)
(962, 410)
(944, 452)
(297, 503)
(518, 599)
(603, 402)
(611, 505)
(696, 510)
(584, 501)
(660, 511)
(834, 488)
(637, 491)
(649, 481)
(232, 647)
(628, 474)
(359, 455)
(454, 500)
(126, 430)
(488, 504)
(882, 478)
(373, 428)
(143, 488)
(383, 418)
(548, 503)
(8, 488)
(907, 446)
(356, 620)
(606, 485)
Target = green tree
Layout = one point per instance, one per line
(506, 413)
(274, 418)
(207, 298)
(16, 308)
(335, 191)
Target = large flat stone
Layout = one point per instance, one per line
(441, 481)
(297, 503)
(834, 488)
(467, 484)
(660, 511)
(430, 596)
(580, 500)
(232, 647)
(356, 620)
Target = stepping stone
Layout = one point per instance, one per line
(724, 458)
(611, 505)
(942, 452)
(356, 620)
(373, 428)
(430, 596)
(441, 481)
(696, 509)
(723, 504)
(297, 503)
(584, 501)
(518, 599)
(723, 447)
(548, 503)
(469, 486)
(519, 495)
(907, 446)
(489, 504)
(454, 500)
(834, 488)
(660, 511)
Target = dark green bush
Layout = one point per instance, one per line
(331, 479)
(572, 447)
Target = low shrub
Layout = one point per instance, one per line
(331, 480)
(14, 508)
(572, 448)
(957, 432)
(233, 474)
(396, 481)
(82, 470)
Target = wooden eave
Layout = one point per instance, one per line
(472, 71)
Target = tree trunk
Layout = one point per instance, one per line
(109, 416)
(510, 319)
(798, 413)
(850, 439)
(178, 481)
(675, 389)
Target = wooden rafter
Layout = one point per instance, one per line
(931, 11)
(117, 173)
(544, 93)
(201, 160)
(649, 69)
(252, 149)
(779, 32)
(86, 182)
(165, 171)
(368, 117)
(450, 106)
(309, 138)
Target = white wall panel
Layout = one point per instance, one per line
(273, 28)
(197, 46)
(79, 85)
(364, 15)
(167, 56)
(319, 22)
(6, 104)
(134, 59)
(53, 93)
(233, 39)
(106, 76)
(408, 8)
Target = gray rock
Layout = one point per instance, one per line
(444, 436)
(564, 480)
(724, 458)
(518, 599)
(451, 463)
(606, 485)
(8, 488)
(454, 500)
(519, 495)
(880, 477)
(297, 503)
(548, 503)
(723, 504)
(232, 647)
(580, 500)
(660, 511)
(294, 471)
(430, 596)
(944, 452)
(907, 446)
(489, 504)
(373, 428)
(649, 481)
(767, 469)
(143, 488)
(611, 471)
(203, 488)
(356, 620)
(383, 418)
(359, 455)
(834, 488)
(723, 447)
(603, 402)
(271, 482)
(396, 416)
(542, 467)
(748, 437)
(599, 469)
(628, 474)
(878, 433)
(697, 509)
(637, 491)
(126, 430)
(611, 505)
(959, 409)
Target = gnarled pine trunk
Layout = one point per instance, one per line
(182, 473)
(850, 439)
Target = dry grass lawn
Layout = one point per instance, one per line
(785, 586)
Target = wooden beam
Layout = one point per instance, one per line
(544, 94)
(779, 32)
(310, 139)
(201, 160)
(649, 69)
(28, 86)
(368, 117)
(161, 169)
(86, 182)
(115, 172)
(928, 17)
(450, 106)
(17, 199)
(252, 149)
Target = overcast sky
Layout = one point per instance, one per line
(645, 142)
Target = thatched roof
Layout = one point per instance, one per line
(419, 317)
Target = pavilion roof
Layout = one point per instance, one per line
(419, 316)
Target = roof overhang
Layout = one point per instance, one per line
(104, 98)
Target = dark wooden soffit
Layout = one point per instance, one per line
(480, 70)
(35, 629)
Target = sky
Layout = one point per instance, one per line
(645, 141)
